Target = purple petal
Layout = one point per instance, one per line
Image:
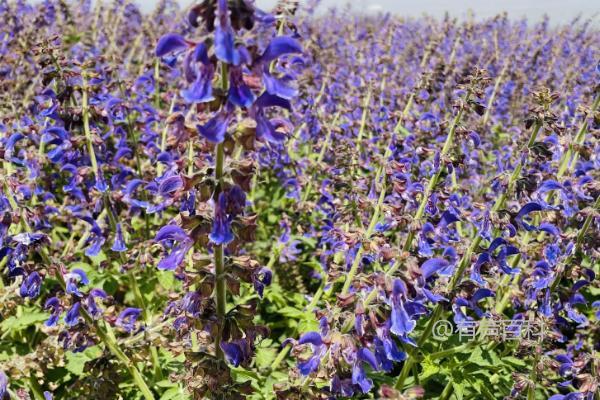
(215, 129)
(433, 265)
(367, 355)
(170, 43)
(280, 46)
(313, 338)
(171, 232)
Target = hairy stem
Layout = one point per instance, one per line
(220, 288)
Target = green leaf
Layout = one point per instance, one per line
(167, 279)
(265, 356)
(484, 358)
(174, 393)
(429, 369)
(514, 361)
(28, 318)
(76, 361)
(459, 390)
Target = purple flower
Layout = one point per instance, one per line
(127, 318)
(216, 128)
(167, 235)
(402, 324)
(3, 384)
(359, 377)
(431, 266)
(239, 93)
(279, 46)
(73, 279)
(90, 302)
(52, 304)
(221, 230)
(225, 47)
(524, 211)
(261, 279)
(30, 287)
(237, 352)
(200, 72)
(279, 87)
(169, 43)
(312, 364)
(119, 243)
(236, 200)
(72, 316)
(170, 184)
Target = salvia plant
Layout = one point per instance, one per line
(224, 202)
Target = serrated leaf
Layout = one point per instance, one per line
(429, 369)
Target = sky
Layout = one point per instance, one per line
(560, 11)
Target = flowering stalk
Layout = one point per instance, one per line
(411, 97)
(398, 128)
(566, 161)
(104, 333)
(367, 236)
(220, 289)
(563, 164)
(465, 261)
(490, 103)
(139, 299)
(216, 111)
(433, 181)
(578, 243)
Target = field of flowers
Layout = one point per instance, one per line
(228, 203)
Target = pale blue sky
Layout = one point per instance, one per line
(558, 10)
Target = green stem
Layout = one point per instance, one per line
(86, 127)
(490, 103)
(580, 238)
(499, 204)
(451, 351)
(137, 293)
(433, 181)
(578, 141)
(448, 390)
(112, 218)
(367, 236)
(363, 120)
(220, 288)
(220, 297)
(163, 138)
(35, 388)
(325, 146)
(533, 377)
(564, 162)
